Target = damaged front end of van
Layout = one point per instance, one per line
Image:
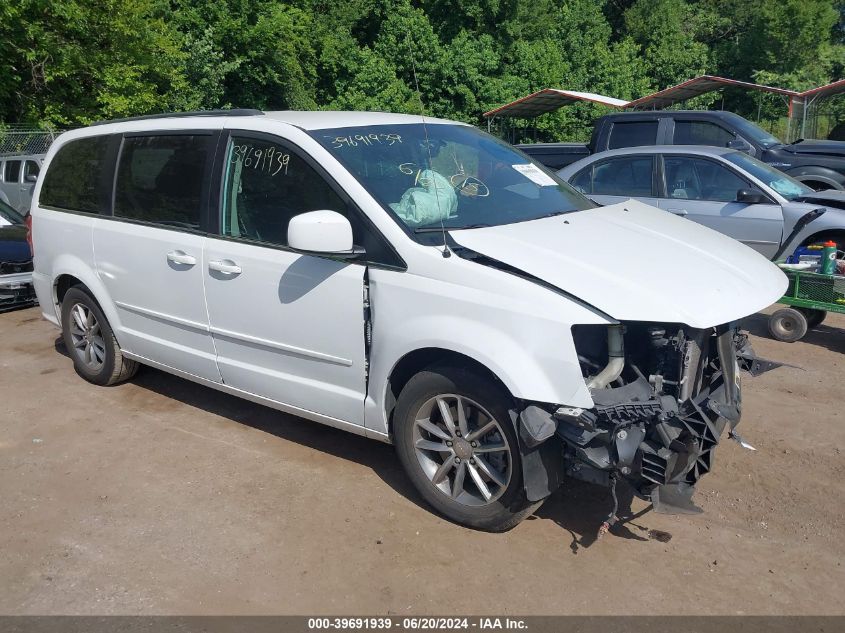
(663, 395)
(663, 372)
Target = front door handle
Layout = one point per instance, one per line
(181, 257)
(678, 211)
(225, 266)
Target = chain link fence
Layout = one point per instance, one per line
(18, 139)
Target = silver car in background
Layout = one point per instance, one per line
(18, 175)
(721, 188)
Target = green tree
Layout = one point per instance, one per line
(666, 30)
(67, 62)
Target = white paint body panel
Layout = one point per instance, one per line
(289, 327)
(65, 246)
(160, 303)
(515, 328)
(638, 263)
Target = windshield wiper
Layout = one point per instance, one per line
(437, 228)
(554, 213)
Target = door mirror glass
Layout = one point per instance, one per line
(738, 144)
(325, 232)
(749, 196)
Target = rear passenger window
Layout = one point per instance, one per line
(701, 133)
(73, 179)
(12, 171)
(630, 176)
(632, 134)
(160, 179)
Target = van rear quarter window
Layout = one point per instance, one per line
(160, 179)
(73, 179)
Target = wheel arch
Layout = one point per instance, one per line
(815, 173)
(542, 468)
(419, 359)
(836, 234)
(69, 272)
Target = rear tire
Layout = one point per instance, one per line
(90, 340)
(465, 463)
(787, 325)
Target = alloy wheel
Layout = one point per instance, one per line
(88, 343)
(462, 449)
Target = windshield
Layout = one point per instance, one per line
(450, 175)
(754, 132)
(785, 185)
(8, 215)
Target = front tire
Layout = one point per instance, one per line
(455, 439)
(90, 341)
(787, 325)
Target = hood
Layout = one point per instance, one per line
(13, 246)
(637, 263)
(830, 198)
(818, 147)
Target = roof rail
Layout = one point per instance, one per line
(179, 115)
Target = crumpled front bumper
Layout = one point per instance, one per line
(661, 445)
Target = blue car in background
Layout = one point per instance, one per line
(15, 261)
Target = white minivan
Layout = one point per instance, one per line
(409, 279)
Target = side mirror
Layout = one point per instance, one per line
(738, 144)
(748, 196)
(323, 232)
(30, 178)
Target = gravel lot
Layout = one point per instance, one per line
(159, 496)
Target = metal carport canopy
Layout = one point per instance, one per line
(551, 99)
(696, 87)
(548, 100)
(825, 91)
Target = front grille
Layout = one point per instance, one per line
(10, 268)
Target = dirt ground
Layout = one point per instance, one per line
(159, 496)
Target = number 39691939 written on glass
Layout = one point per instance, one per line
(365, 140)
(265, 159)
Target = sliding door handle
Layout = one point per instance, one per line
(679, 211)
(225, 266)
(181, 257)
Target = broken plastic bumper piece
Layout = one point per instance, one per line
(658, 425)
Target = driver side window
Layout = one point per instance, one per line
(266, 184)
(698, 179)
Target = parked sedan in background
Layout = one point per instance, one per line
(721, 188)
(15, 261)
